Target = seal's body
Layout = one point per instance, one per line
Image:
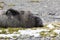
(14, 18)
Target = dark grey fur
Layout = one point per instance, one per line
(14, 18)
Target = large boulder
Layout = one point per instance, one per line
(15, 18)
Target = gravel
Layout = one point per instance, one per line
(47, 10)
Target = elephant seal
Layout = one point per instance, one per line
(15, 18)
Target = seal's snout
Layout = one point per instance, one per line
(12, 12)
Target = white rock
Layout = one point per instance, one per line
(50, 26)
(57, 31)
(31, 32)
(0, 30)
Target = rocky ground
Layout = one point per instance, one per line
(48, 32)
(48, 10)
